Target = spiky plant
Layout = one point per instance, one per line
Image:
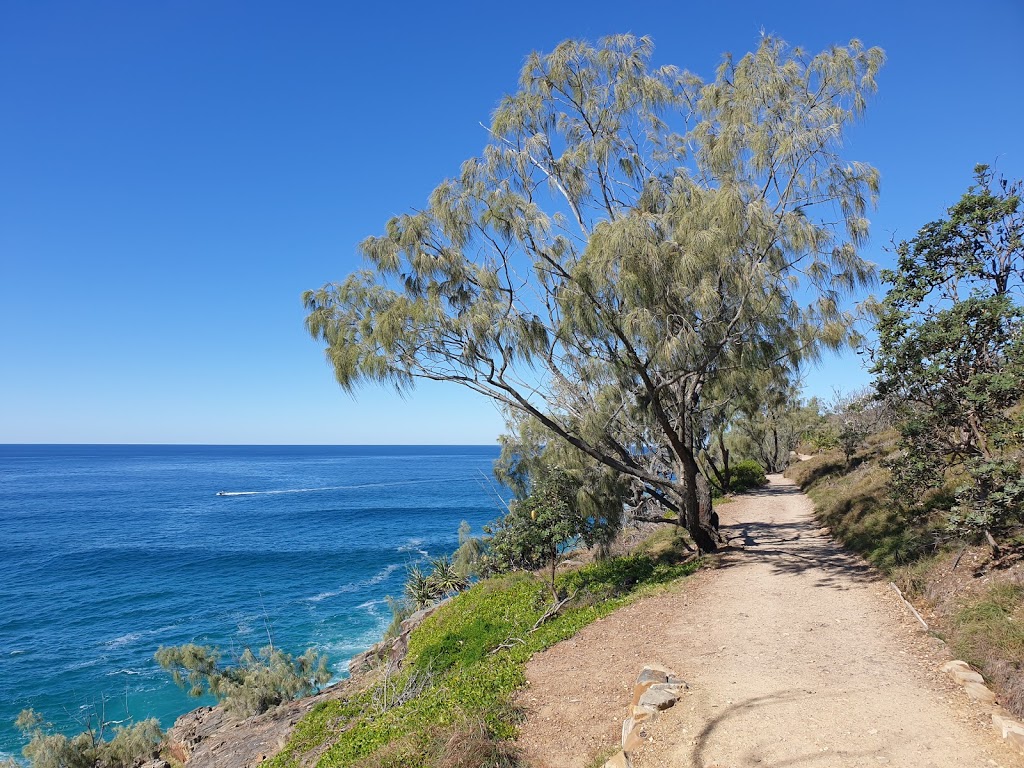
(445, 577)
(418, 588)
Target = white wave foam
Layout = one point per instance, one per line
(124, 672)
(84, 664)
(377, 578)
(123, 640)
(132, 637)
(370, 604)
(413, 545)
(372, 608)
(323, 596)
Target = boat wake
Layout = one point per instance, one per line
(447, 481)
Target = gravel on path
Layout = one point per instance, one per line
(796, 654)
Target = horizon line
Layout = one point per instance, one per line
(265, 444)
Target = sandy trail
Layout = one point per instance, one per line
(795, 653)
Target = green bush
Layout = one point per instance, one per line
(747, 474)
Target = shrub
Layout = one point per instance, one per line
(130, 745)
(747, 474)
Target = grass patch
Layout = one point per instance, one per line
(988, 632)
(464, 716)
(854, 503)
(989, 624)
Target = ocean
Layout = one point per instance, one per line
(110, 551)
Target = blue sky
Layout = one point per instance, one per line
(174, 174)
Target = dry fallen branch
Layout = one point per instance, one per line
(549, 614)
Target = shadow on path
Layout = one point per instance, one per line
(754, 757)
(795, 547)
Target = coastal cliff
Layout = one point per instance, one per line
(211, 737)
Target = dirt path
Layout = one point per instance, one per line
(796, 655)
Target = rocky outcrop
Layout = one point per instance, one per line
(210, 737)
(391, 650)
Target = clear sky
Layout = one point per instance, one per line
(174, 174)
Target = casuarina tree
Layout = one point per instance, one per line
(629, 233)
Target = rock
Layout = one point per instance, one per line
(979, 692)
(657, 687)
(618, 760)
(155, 763)
(967, 676)
(1006, 724)
(653, 666)
(1017, 740)
(652, 674)
(676, 688)
(209, 737)
(998, 722)
(366, 660)
(633, 739)
(961, 671)
(658, 698)
(640, 714)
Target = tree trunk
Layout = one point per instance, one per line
(726, 469)
(696, 509)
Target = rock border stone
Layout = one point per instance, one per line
(1010, 729)
(656, 689)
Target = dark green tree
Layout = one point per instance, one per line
(950, 356)
(539, 526)
(629, 233)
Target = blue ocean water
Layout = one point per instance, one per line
(111, 551)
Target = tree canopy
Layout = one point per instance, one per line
(629, 234)
(950, 357)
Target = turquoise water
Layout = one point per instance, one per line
(111, 551)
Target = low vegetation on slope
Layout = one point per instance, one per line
(936, 496)
(976, 604)
(451, 702)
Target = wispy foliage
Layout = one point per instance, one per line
(628, 234)
(130, 745)
(255, 683)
